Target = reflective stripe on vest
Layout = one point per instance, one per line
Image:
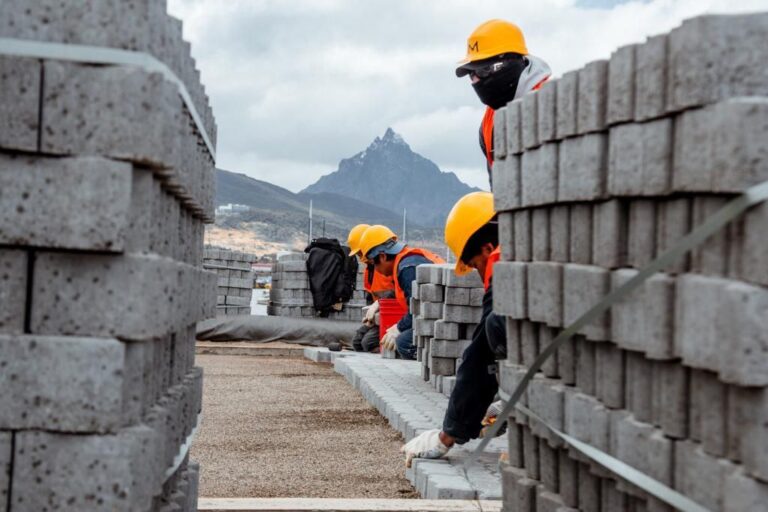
(399, 293)
(492, 259)
(487, 130)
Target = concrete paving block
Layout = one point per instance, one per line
(510, 289)
(546, 111)
(651, 78)
(711, 257)
(559, 233)
(700, 476)
(499, 134)
(640, 158)
(621, 85)
(462, 314)
(585, 418)
(644, 448)
(708, 412)
(519, 490)
(550, 367)
(580, 242)
(568, 480)
(592, 97)
(510, 376)
(589, 489)
(449, 487)
(546, 398)
(529, 342)
(13, 290)
(471, 280)
(672, 223)
(476, 296)
(439, 349)
(457, 296)
(566, 362)
(567, 104)
(6, 454)
(423, 273)
(672, 382)
(696, 338)
(744, 493)
(540, 234)
(611, 497)
(752, 254)
(539, 175)
(506, 183)
(44, 190)
(431, 310)
(514, 127)
(639, 385)
(82, 391)
(506, 224)
(744, 322)
(545, 293)
(585, 364)
(522, 234)
(19, 102)
(550, 502)
(752, 404)
(583, 168)
(514, 348)
(531, 453)
(610, 375)
(641, 237)
(609, 234)
(514, 444)
(530, 120)
(727, 66)
(446, 330)
(583, 287)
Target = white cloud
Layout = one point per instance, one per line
(297, 86)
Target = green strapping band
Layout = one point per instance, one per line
(110, 56)
(752, 196)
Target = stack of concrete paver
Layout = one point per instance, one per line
(105, 186)
(290, 294)
(446, 310)
(235, 279)
(596, 174)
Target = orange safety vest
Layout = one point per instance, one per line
(399, 293)
(486, 127)
(492, 259)
(380, 283)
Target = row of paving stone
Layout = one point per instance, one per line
(411, 405)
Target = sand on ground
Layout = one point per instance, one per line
(280, 427)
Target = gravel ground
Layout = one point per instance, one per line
(278, 427)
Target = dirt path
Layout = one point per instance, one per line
(276, 427)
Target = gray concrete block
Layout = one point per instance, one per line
(696, 338)
(672, 383)
(540, 234)
(708, 411)
(423, 273)
(611, 497)
(462, 314)
(530, 120)
(568, 479)
(550, 366)
(447, 349)
(13, 290)
(585, 418)
(744, 493)
(566, 362)
(644, 448)
(514, 445)
(529, 342)
(476, 296)
(19, 102)
(752, 404)
(592, 97)
(643, 321)
(546, 398)
(44, 190)
(559, 233)
(506, 183)
(514, 349)
(545, 293)
(514, 128)
(471, 280)
(546, 111)
(640, 158)
(446, 330)
(589, 489)
(531, 454)
(621, 85)
(82, 390)
(510, 289)
(431, 310)
(506, 222)
(550, 502)
(583, 168)
(523, 236)
(430, 293)
(716, 57)
(539, 175)
(753, 250)
(700, 476)
(441, 365)
(519, 491)
(583, 287)
(651, 78)
(580, 242)
(610, 375)
(609, 234)
(641, 237)
(673, 221)
(639, 386)
(567, 104)
(743, 321)
(585, 364)
(499, 135)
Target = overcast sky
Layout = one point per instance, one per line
(297, 85)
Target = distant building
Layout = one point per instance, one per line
(229, 209)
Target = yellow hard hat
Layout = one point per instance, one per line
(469, 214)
(373, 236)
(353, 240)
(490, 39)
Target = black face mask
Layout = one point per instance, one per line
(499, 88)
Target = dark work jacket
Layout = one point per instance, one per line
(476, 383)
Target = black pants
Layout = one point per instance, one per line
(366, 338)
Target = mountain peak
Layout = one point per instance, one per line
(391, 138)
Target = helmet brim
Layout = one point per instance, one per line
(462, 269)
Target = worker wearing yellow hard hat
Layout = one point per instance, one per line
(501, 70)
(471, 232)
(376, 285)
(391, 257)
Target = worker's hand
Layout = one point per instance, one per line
(426, 445)
(389, 341)
(369, 317)
(491, 416)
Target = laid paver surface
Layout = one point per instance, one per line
(277, 427)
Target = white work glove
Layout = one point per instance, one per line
(388, 342)
(491, 416)
(369, 318)
(426, 445)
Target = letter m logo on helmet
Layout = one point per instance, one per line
(473, 46)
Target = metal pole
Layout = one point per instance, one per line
(323, 227)
(310, 221)
(405, 225)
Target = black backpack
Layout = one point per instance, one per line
(332, 273)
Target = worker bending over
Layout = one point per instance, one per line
(501, 70)
(471, 233)
(376, 286)
(394, 259)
